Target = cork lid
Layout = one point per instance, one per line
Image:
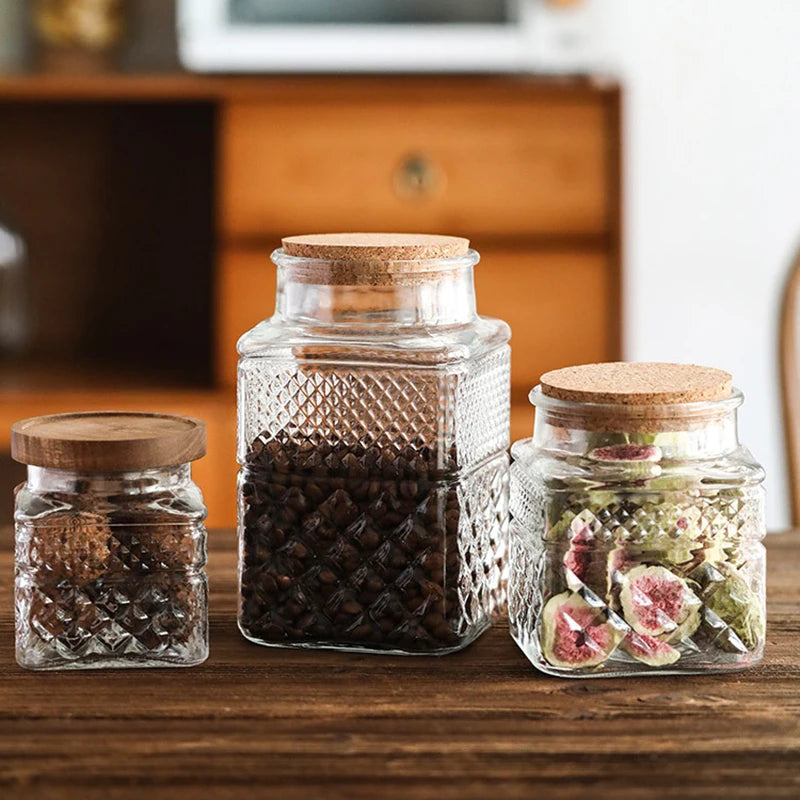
(642, 397)
(637, 383)
(375, 246)
(375, 259)
(108, 441)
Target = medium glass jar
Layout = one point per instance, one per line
(637, 520)
(373, 427)
(110, 542)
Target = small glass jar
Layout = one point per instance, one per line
(14, 322)
(637, 520)
(373, 427)
(110, 542)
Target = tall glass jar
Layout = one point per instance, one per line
(110, 542)
(373, 427)
(637, 520)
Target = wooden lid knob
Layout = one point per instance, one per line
(637, 383)
(108, 441)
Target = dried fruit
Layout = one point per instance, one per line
(659, 603)
(730, 597)
(637, 462)
(585, 561)
(627, 452)
(649, 650)
(574, 634)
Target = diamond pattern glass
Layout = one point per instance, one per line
(93, 588)
(373, 502)
(628, 576)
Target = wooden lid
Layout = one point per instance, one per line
(640, 384)
(371, 247)
(108, 441)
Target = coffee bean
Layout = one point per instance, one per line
(327, 576)
(434, 564)
(276, 537)
(369, 539)
(347, 545)
(297, 549)
(284, 582)
(352, 607)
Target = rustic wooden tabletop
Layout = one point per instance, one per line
(479, 724)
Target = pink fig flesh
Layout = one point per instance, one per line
(657, 602)
(627, 452)
(574, 634)
(650, 650)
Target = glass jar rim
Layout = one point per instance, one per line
(640, 416)
(347, 270)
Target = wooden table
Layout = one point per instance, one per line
(253, 722)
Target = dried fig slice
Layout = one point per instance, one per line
(729, 596)
(657, 602)
(575, 634)
(649, 650)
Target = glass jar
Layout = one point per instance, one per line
(637, 520)
(110, 542)
(14, 322)
(373, 427)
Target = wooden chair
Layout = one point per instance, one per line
(790, 382)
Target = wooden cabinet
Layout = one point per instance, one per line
(527, 168)
(523, 166)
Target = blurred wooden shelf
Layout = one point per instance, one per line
(180, 85)
(24, 376)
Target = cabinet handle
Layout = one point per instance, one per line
(417, 177)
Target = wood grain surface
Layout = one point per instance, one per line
(256, 722)
(37, 86)
(523, 167)
(108, 440)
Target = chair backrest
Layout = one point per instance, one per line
(790, 383)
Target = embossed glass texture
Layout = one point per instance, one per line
(109, 569)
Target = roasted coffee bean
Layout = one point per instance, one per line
(434, 563)
(284, 582)
(347, 545)
(369, 538)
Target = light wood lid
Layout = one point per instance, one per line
(372, 247)
(111, 441)
(637, 383)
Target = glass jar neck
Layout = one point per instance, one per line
(425, 294)
(675, 432)
(64, 481)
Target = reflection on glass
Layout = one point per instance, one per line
(13, 317)
(371, 11)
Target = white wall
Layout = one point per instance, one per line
(712, 127)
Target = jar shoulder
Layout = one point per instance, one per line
(277, 339)
(737, 467)
(184, 503)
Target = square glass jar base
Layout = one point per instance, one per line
(106, 662)
(386, 650)
(621, 665)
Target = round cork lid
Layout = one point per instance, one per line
(372, 247)
(110, 441)
(637, 383)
